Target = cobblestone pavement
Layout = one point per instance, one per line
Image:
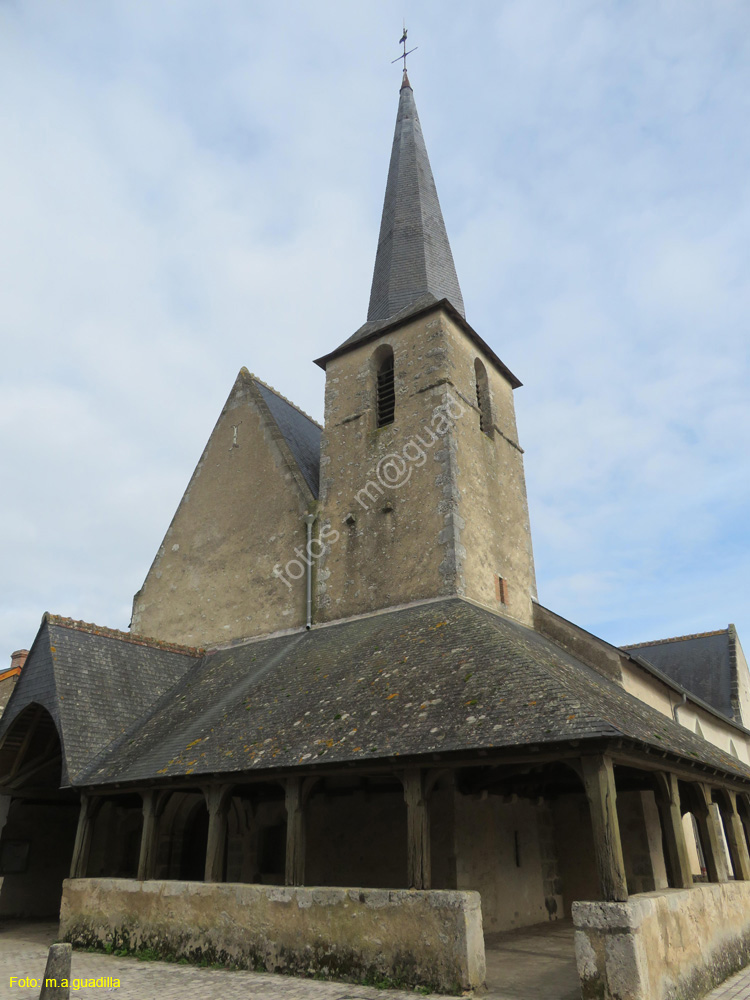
(534, 964)
(735, 988)
(23, 952)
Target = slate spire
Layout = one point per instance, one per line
(414, 256)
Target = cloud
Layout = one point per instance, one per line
(194, 187)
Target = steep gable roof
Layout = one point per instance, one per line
(702, 663)
(94, 682)
(301, 433)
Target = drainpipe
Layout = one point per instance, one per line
(309, 520)
(680, 704)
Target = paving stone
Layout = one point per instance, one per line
(23, 952)
(737, 987)
(536, 963)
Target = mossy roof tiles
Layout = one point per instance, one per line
(444, 677)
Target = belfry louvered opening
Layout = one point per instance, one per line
(483, 398)
(386, 391)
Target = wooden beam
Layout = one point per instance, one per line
(34, 767)
(82, 848)
(418, 860)
(295, 832)
(599, 782)
(683, 770)
(29, 735)
(708, 829)
(735, 836)
(147, 856)
(217, 797)
(670, 812)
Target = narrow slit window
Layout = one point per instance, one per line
(501, 589)
(483, 398)
(386, 392)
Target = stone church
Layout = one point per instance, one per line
(342, 736)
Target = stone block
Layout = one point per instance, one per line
(663, 945)
(56, 973)
(430, 938)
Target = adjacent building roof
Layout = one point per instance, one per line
(702, 663)
(444, 677)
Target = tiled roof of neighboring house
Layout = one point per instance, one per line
(441, 677)
(301, 433)
(702, 663)
(95, 683)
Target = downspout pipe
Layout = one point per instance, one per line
(309, 520)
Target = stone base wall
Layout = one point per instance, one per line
(673, 944)
(430, 938)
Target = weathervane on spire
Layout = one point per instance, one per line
(402, 41)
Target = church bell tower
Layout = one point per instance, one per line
(422, 482)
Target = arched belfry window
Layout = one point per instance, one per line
(483, 398)
(385, 404)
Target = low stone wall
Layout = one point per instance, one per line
(430, 938)
(673, 944)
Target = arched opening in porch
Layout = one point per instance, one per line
(642, 830)
(37, 837)
(707, 847)
(356, 832)
(116, 837)
(181, 835)
(256, 834)
(524, 840)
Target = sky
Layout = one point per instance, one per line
(190, 186)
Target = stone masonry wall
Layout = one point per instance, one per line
(212, 579)
(673, 944)
(423, 507)
(431, 938)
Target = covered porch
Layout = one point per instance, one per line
(536, 835)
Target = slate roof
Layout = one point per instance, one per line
(414, 256)
(442, 677)
(300, 432)
(414, 270)
(95, 683)
(701, 663)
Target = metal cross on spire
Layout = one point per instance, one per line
(402, 41)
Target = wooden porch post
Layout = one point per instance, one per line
(148, 836)
(735, 835)
(599, 782)
(417, 830)
(709, 833)
(295, 833)
(216, 802)
(668, 801)
(80, 860)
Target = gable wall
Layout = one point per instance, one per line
(654, 692)
(212, 579)
(741, 680)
